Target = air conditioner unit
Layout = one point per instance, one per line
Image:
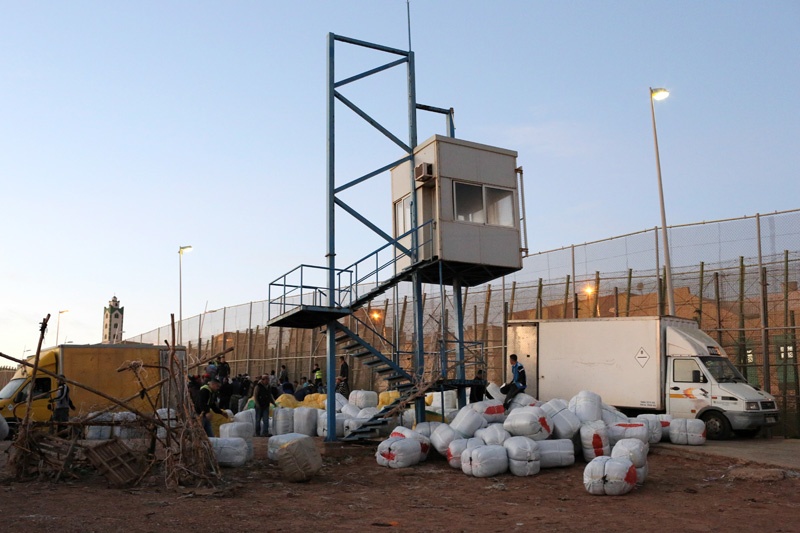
(423, 172)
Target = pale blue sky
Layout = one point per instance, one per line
(131, 128)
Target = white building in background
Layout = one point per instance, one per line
(112, 322)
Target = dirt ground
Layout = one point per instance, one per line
(683, 492)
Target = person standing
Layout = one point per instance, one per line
(477, 392)
(264, 398)
(317, 377)
(62, 403)
(343, 381)
(223, 369)
(207, 403)
(283, 377)
(519, 381)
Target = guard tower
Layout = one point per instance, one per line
(113, 316)
(456, 223)
(468, 193)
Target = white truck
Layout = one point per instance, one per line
(640, 365)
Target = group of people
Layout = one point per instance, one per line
(214, 391)
(262, 393)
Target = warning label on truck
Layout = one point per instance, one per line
(642, 357)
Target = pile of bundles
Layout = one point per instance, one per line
(351, 414)
(484, 440)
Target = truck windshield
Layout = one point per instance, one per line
(11, 388)
(722, 370)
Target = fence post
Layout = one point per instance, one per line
(742, 349)
(700, 297)
(628, 293)
(566, 298)
(718, 307)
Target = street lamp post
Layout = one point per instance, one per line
(58, 323)
(181, 250)
(661, 94)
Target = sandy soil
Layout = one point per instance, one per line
(352, 493)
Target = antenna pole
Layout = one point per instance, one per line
(408, 15)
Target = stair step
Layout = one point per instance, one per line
(351, 346)
(341, 337)
(375, 363)
(362, 354)
(384, 370)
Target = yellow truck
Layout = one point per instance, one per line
(94, 365)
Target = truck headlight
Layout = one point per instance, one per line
(751, 406)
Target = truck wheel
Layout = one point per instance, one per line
(717, 426)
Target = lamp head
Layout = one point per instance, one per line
(184, 249)
(658, 94)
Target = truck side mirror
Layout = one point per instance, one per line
(21, 397)
(696, 376)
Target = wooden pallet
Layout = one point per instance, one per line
(118, 463)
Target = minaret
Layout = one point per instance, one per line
(112, 322)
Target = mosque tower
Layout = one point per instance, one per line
(112, 322)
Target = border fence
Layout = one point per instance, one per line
(738, 278)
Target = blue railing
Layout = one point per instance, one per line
(307, 285)
(304, 285)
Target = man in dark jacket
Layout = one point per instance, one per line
(264, 398)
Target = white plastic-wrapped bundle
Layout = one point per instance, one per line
(523, 456)
(587, 406)
(94, 432)
(492, 410)
(633, 449)
(594, 440)
(350, 410)
(364, 398)
(636, 451)
(523, 400)
(442, 436)
(322, 423)
(690, 431)
(565, 423)
(341, 401)
(484, 461)
(298, 458)
(248, 415)
(424, 442)
(242, 430)
(628, 430)
(556, 453)
(398, 452)
(282, 421)
(352, 424)
(4, 428)
(493, 434)
(305, 421)
(426, 428)
(493, 390)
(367, 412)
(468, 421)
(230, 452)
(274, 443)
(530, 422)
(450, 401)
(653, 426)
(612, 415)
(665, 420)
(408, 419)
(609, 476)
(128, 428)
(457, 447)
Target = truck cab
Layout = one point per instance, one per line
(702, 383)
(14, 396)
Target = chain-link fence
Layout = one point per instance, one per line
(738, 278)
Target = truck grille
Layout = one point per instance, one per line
(767, 405)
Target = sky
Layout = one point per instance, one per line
(129, 129)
